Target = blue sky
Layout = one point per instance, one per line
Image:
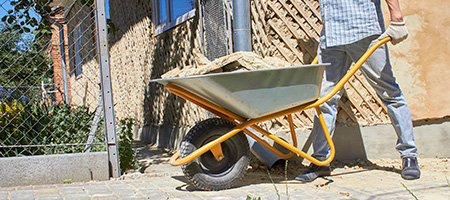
(107, 8)
(5, 5)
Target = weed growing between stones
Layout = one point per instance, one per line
(410, 192)
(273, 183)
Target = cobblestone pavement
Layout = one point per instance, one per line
(159, 180)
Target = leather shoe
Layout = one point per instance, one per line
(313, 172)
(410, 168)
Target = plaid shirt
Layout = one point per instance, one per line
(347, 21)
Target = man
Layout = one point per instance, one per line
(350, 28)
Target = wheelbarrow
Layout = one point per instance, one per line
(214, 154)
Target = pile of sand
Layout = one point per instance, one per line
(238, 61)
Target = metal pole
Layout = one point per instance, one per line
(63, 63)
(242, 42)
(241, 25)
(105, 74)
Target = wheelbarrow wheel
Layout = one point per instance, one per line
(205, 172)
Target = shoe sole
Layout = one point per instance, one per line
(321, 174)
(410, 178)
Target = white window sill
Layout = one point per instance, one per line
(161, 28)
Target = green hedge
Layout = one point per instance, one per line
(39, 124)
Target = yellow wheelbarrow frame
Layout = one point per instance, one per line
(242, 124)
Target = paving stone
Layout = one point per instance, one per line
(49, 197)
(77, 196)
(123, 191)
(72, 190)
(105, 198)
(3, 195)
(21, 194)
(368, 184)
(43, 191)
(237, 194)
(134, 198)
(97, 190)
(153, 193)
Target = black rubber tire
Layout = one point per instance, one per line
(205, 172)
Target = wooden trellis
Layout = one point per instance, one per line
(290, 29)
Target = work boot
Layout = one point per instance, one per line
(313, 172)
(410, 168)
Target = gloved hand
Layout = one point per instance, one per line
(397, 31)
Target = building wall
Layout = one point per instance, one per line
(287, 30)
(421, 62)
(84, 88)
(137, 56)
(56, 55)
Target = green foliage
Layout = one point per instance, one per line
(250, 198)
(111, 27)
(87, 2)
(45, 129)
(24, 61)
(127, 155)
(68, 181)
(24, 15)
(9, 112)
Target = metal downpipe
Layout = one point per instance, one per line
(242, 42)
(241, 25)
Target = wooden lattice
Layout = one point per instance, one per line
(290, 29)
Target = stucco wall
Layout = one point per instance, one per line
(421, 62)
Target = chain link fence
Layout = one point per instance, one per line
(50, 96)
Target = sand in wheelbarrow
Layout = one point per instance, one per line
(239, 61)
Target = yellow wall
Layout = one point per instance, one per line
(421, 63)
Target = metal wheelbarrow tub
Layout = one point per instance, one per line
(256, 93)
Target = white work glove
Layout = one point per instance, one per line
(397, 31)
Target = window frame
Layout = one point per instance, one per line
(78, 58)
(159, 28)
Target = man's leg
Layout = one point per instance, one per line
(378, 72)
(333, 73)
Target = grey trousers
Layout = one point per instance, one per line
(377, 69)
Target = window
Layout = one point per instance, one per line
(77, 46)
(169, 13)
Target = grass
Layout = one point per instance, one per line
(276, 189)
(287, 191)
(415, 197)
(410, 192)
(448, 183)
(273, 183)
(250, 198)
(285, 178)
(68, 181)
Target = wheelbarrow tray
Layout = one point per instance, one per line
(256, 93)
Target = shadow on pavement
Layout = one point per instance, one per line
(155, 161)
